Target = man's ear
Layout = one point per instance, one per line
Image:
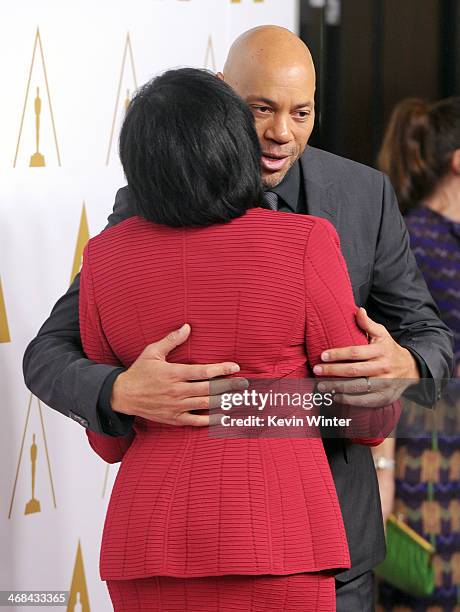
(220, 76)
(455, 162)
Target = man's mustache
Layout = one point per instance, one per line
(279, 153)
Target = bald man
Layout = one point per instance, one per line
(273, 72)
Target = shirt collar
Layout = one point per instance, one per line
(288, 189)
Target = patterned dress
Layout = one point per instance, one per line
(428, 468)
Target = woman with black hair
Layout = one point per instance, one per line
(196, 522)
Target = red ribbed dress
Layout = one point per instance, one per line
(270, 291)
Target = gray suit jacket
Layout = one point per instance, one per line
(361, 204)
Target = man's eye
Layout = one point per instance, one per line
(262, 109)
(303, 114)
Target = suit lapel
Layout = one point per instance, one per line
(321, 199)
(325, 199)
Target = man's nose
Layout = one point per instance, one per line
(279, 130)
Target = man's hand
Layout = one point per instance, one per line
(166, 392)
(381, 371)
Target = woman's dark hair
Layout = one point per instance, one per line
(190, 151)
(418, 146)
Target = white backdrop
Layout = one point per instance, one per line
(78, 69)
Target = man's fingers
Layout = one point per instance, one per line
(227, 385)
(164, 346)
(349, 370)
(375, 330)
(193, 420)
(204, 402)
(355, 385)
(352, 353)
(185, 372)
(211, 388)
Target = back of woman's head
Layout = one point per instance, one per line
(418, 146)
(190, 151)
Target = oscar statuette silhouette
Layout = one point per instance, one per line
(33, 505)
(37, 160)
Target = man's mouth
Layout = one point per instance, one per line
(274, 163)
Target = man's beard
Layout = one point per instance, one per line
(273, 181)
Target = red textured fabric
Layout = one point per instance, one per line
(297, 593)
(270, 291)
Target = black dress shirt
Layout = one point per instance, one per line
(290, 192)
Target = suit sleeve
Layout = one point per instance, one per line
(330, 318)
(401, 301)
(97, 348)
(55, 367)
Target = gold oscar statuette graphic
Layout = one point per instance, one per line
(127, 100)
(78, 607)
(4, 329)
(82, 239)
(127, 52)
(37, 160)
(78, 597)
(210, 58)
(33, 505)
